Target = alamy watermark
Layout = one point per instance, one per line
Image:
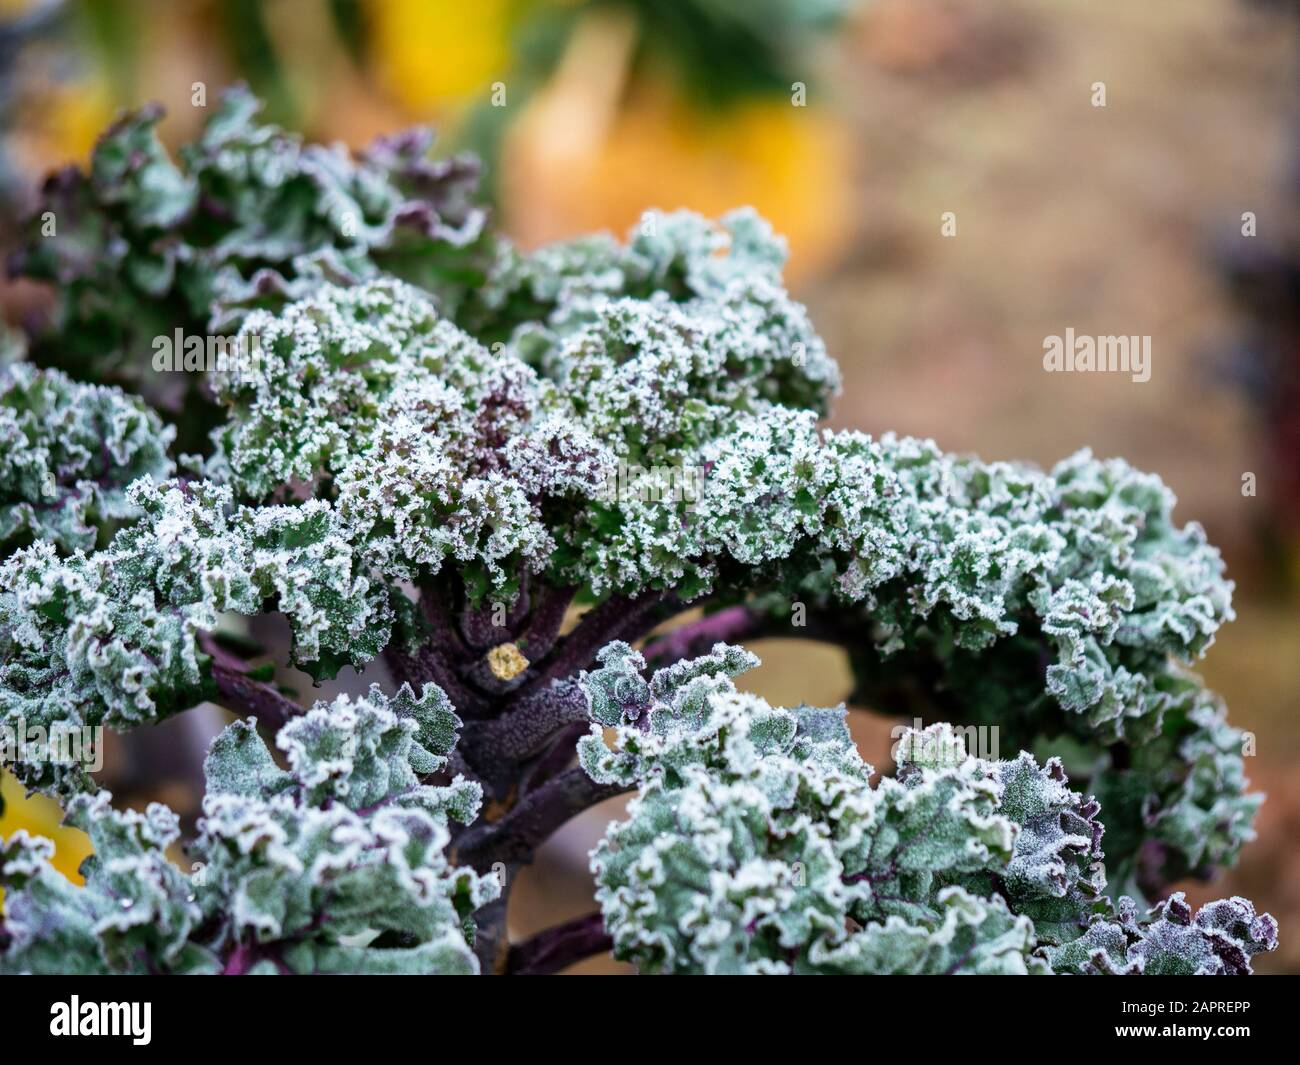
(61, 745)
(1108, 354)
(944, 746)
(133, 1020)
(653, 484)
(205, 353)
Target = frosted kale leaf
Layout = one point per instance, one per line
(251, 216)
(67, 453)
(946, 558)
(348, 842)
(303, 213)
(332, 367)
(112, 638)
(136, 913)
(757, 845)
(361, 753)
(335, 864)
(1177, 803)
(1085, 561)
(1205, 816)
(669, 723)
(1055, 871)
(973, 936)
(756, 842)
(654, 377)
(425, 440)
(536, 298)
(979, 576)
(1219, 939)
(1056, 877)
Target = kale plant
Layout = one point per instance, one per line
(545, 496)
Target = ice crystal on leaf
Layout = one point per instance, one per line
(68, 451)
(250, 216)
(757, 844)
(336, 864)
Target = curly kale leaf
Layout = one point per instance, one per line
(136, 912)
(250, 217)
(756, 842)
(1055, 871)
(347, 841)
(112, 638)
(1219, 939)
(1085, 563)
(336, 864)
(67, 453)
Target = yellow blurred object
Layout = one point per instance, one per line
(10, 9)
(42, 817)
(581, 158)
(65, 127)
(431, 53)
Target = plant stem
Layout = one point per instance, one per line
(543, 627)
(560, 946)
(241, 693)
(617, 618)
(556, 757)
(528, 726)
(492, 935)
(731, 625)
(533, 819)
(240, 960)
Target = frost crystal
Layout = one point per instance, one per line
(756, 844)
(336, 864)
(67, 453)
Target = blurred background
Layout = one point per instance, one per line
(855, 127)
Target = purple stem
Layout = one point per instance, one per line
(533, 819)
(241, 693)
(435, 612)
(617, 618)
(241, 959)
(556, 758)
(543, 628)
(492, 934)
(560, 946)
(528, 726)
(732, 625)
(434, 660)
(480, 631)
